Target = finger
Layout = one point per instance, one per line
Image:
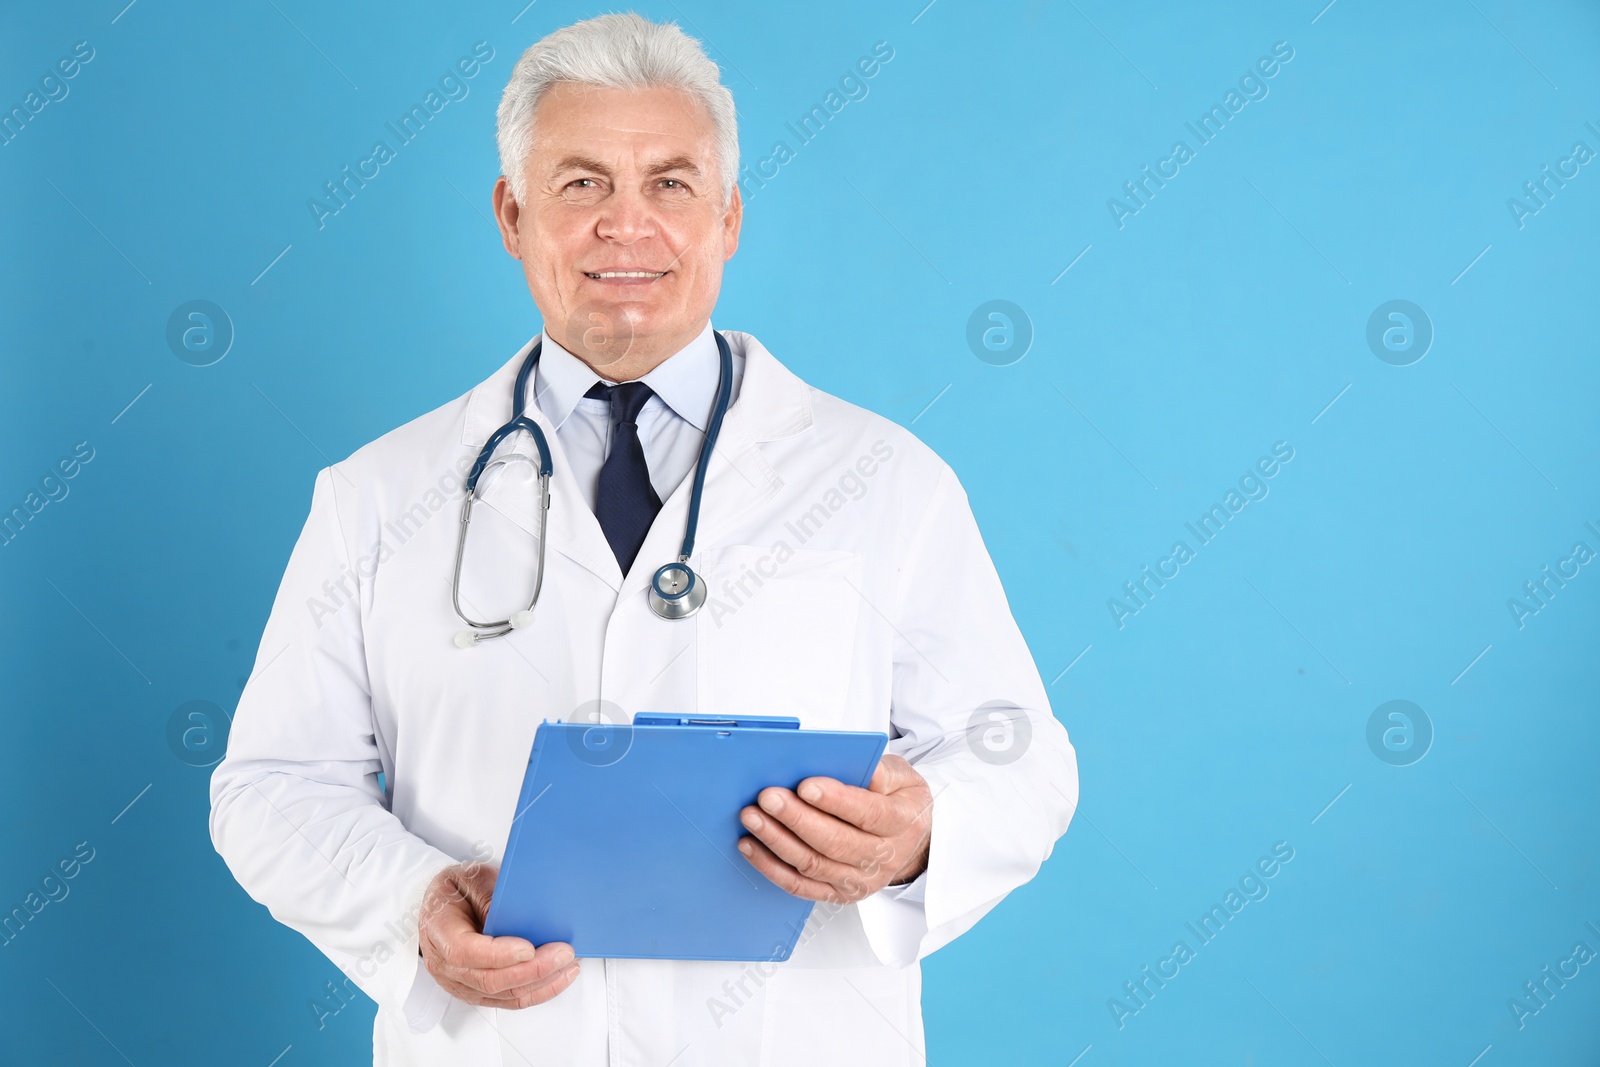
(498, 983)
(835, 838)
(550, 984)
(868, 810)
(548, 990)
(784, 876)
(496, 980)
(456, 938)
(801, 855)
(522, 997)
(549, 959)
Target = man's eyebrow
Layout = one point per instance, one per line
(664, 166)
(683, 163)
(581, 163)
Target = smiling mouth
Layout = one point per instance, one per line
(605, 275)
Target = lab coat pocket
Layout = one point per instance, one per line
(777, 633)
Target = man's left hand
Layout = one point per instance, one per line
(834, 842)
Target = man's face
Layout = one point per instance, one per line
(624, 231)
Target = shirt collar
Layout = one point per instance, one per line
(769, 402)
(686, 381)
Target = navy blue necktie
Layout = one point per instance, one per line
(626, 503)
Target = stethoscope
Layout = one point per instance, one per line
(676, 592)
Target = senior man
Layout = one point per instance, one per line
(374, 765)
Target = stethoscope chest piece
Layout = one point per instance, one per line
(676, 592)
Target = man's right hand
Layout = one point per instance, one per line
(492, 972)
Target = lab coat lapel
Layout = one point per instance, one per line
(574, 532)
(772, 404)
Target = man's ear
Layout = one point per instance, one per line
(507, 212)
(732, 223)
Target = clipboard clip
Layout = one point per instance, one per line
(752, 722)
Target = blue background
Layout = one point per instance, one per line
(1224, 316)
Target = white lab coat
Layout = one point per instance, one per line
(849, 586)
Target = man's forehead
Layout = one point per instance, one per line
(592, 127)
(571, 109)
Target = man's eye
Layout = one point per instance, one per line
(579, 183)
(672, 183)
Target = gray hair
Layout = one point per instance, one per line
(618, 52)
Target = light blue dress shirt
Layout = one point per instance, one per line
(672, 423)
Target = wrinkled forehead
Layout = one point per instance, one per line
(645, 125)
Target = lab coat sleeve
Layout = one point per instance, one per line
(972, 717)
(296, 811)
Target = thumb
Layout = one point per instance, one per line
(880, 778)
(464, 890)
(893, 774)
(477, 882)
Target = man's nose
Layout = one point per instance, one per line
(626, 216)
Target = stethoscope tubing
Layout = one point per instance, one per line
(666, 604)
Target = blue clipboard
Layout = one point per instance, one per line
(624, 842)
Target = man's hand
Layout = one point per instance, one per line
(833, 842)
(491, 972)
